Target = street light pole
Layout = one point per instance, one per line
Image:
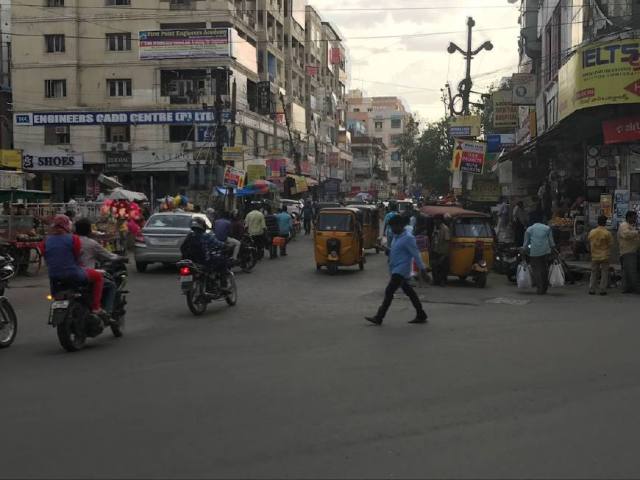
(464, 87)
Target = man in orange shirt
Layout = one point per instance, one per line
(601, 241)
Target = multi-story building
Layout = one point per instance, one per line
(6, 122)
(369, 172)
(580, 132)
(136, 90)
(384, 118)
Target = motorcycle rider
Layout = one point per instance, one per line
(61, 250)
(199, 243)
(90, 252)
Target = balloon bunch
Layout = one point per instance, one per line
(179, 201)
(120, 209)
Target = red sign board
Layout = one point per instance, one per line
(621, 130)
(335, 56)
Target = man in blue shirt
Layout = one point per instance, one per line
(403, 251)
(538, 240)
(222, 229)
(386, 228)
(285, 225)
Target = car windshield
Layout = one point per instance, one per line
(334, 222)
(169, 221)
(472, 227)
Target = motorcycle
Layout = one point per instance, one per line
(508, 257)
(479, 268)
(8, 318)
(70, 311)
(248, 256)
(202, 286)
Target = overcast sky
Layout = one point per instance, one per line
(417, 67)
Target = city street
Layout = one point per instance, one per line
(294, 382)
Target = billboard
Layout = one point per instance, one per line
(150, 117)
(244, 53)
(621, 130)
(52, 162)
(233, 177)
(464, 126)
(200, 43)
(468, 156)
(600, 74)
(505, 113)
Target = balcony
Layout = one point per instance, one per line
(182, 5)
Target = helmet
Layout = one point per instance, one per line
(62, 222)
(197, 223)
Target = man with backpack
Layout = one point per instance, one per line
(198, 243)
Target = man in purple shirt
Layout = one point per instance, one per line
(222, 229)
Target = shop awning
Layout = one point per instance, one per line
(11, 195)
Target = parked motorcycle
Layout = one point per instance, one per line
(202, 286)
(508, 257)
(70, 311)
(248, 256)
(8, 318)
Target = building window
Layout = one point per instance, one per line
(117, 133)
(396, 123)
(118, 42)
(119, 87)
(54, 43)
(356, 110)
(55, 3)
(378, 125)
(553, 49)
(244, 136)
(118, 3)
(395, 139)
(57, 135)
(55, 88)
(181, 133)
(395, 156)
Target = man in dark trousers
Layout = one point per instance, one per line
(273, 230)
(403, 250)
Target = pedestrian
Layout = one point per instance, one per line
(285, 225)
(628, 242)
(386, 228)
(520, 222)
(538, 238)
(222, 230)
(440, 251)
(502, 227)
(273, 229)
(402, 252)
(256, 228)
(600, 240)
(307, 216)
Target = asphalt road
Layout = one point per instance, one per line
(292, 382)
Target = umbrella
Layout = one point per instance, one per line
(130, 196)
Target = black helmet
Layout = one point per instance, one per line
(197, 223)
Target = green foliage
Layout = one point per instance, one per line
(433, 157)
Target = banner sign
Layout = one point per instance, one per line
(52, 162)
(256, 172)
(233, 177)
(464, 126)
(312, 70)
(233, 154)
(184, 117)
(276, 167)
(496, 142)
(202, 43)
(621, 130)
(523, 88)
(601, 74)
(11, 159)
(335, 56)
(505, 113)
(10, 180)
(118, 162)
(468, 156)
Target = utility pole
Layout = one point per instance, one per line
(293, 148)
(464, 87)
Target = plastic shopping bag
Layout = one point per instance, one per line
(523, 276)
(556, 275)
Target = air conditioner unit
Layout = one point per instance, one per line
(61, 130)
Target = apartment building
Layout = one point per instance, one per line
(384, 118)
(135, 89)
(6, 124)
(369, 173)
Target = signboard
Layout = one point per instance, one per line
(256, 172)
(523, 89)
(11, 159)
(233, 177)
(233, 154)
(464, 126)
(183, 117)
(468, 156)
(622, 198)
(621, 130)
(264, 98)
(505, 113)
(606, 205)
(485, 189)
(335, 56)
(497, 142)
(276, 167)
(118, 162)
(200, 43)
(600, 74)
(10, 180)
(52, 162)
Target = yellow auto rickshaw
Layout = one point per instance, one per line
(338, 239)
(370, 226)
(471, 248)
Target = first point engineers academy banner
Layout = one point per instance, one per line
(202, 43)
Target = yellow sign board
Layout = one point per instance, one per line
(505, 113)
(256, 172)
(11, 159)
(233, 154)
(464, 126)
(600, 74)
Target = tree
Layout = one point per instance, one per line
(433, 157)
(407, 145)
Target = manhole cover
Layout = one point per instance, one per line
(508, 301)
